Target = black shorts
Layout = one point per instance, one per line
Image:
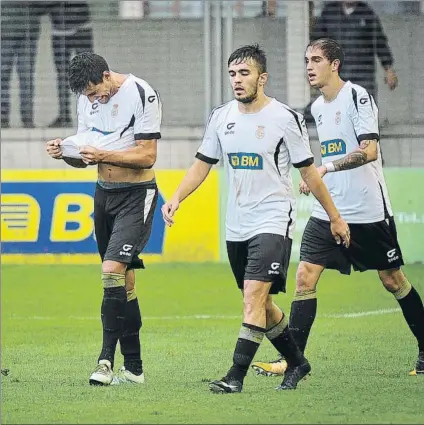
(373, 246)
(264, 257)
(123, 222)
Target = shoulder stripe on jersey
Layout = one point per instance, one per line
(355, 98)
(306, 163)
(296, 117)
(130, 124)
(276, 153)
(206, 159)
(142, 94)
(214, 110)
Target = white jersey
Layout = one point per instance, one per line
(360, 194)
(135, 110)
(258, 151)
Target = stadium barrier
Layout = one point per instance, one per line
(47, 218)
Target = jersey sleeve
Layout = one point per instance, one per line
(210, 150)
(296, 138)
(364, 113)
(148, 113)
(82, 126)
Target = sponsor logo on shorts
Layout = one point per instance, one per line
(125, 249)
(274, 268)
(392, 255)
(245, 161)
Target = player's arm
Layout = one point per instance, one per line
(147, 122)
(366, 152)
(53, 146)
(297, 141)
(364, 114)
(139, 157)
(208, 154)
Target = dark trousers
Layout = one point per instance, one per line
(63, 48)
(21, 49)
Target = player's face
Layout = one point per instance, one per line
(100, 92)
(245, 80)
(318, 68)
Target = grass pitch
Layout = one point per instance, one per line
(51, 336)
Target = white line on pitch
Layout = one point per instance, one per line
(219, 317)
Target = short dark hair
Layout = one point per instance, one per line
(86, 68)
(251, 51)
(331, 49)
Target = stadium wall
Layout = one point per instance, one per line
(47, 217)
(169, 54)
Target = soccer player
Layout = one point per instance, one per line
(125, 198)
(259, 139)
(346, 117)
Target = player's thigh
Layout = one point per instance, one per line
(319, 247)
(374, 246)
(237, 256)
(103, 222)
(268, 259)
(132, 225)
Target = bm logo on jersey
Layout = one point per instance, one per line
(246, 161)
(333, 147)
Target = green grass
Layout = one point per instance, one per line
(51, 337)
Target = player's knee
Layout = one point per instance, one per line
(113, 267)
(305, 278)
(130, 281)
(254, 297)
(393, 280)
(269, 304)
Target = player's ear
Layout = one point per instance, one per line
(106, 75)
(263, 78)
(335, 65)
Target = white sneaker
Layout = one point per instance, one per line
(102, 374)
(124, 376)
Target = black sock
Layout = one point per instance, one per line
(282, 339)
(250, 337)
(302, 316)
(413, 311)
(130, 338)
(113, 312)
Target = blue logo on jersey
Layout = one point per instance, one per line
(246, 161)
(105, 133)
(333, 147)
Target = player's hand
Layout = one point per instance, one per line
(391, 78)
(53, 148)
(168, 211)
(303, 188)
(340, 231)
(90, 155)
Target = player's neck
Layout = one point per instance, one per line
(253, 107)
(331, 90)
(118, 80)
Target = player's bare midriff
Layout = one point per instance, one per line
(112, 173)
